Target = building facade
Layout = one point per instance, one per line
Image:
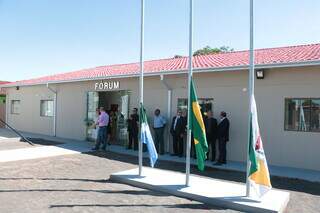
(2, 104)
(287, 95)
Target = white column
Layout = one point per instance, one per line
(189, 83)
(141, 76)
(250, 93)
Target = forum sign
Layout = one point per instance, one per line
(107, 85)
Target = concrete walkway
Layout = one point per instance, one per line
(76, 147)
(303, 174)
(34, 152)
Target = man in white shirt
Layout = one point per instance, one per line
(159, 123)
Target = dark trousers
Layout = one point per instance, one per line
(133, 139)
(222, 150)
(102, 137)
(212, 147)
(193, 153)
(178, 145)
(159, 143)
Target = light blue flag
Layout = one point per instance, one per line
(146, 137)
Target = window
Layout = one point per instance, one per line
(15, 107)
(46, 108)
(302, 114)
(2, 99)
(206, 104)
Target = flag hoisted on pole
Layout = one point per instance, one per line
(141, 78)
(258, 177)
(146, 137)
(196, 125)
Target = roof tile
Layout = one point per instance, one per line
(291, 54)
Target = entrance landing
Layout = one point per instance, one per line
(210, 191)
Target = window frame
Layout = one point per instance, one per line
(310, 99)
(12, 107)
(43, 114)
(199, 100)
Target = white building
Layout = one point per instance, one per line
(288, 99)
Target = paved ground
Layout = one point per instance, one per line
(15, 143)
(9, 144)
(79, 183)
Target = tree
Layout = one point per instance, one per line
(208, 50)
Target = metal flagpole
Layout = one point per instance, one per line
(141, 77)
(189, 101)
(250, 93)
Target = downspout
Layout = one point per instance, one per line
(163, 81)
(55, 110)
(7, 108)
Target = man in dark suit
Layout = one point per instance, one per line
(211, 125)
(177, 131)
(223, 137)
(133, 129)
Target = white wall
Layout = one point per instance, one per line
(283, 148)
(29, 119)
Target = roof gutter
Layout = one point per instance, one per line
(183, 71)
(169, 103)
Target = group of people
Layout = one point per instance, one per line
(105, 127)
(217, 133)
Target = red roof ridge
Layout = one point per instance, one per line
(261, 49)
(4, 82)
(292, 46)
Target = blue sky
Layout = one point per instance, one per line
(43, 37)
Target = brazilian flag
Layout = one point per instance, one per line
(196, 125)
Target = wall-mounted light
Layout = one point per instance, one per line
(260, 74)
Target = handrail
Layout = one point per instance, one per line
(18, 133)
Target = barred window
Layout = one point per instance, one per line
(205, 104)
(46, 108)
(302, 114)
(15, 107)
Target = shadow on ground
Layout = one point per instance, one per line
(198, 206)
(180, 206)
(277, 182)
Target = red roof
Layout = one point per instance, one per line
(291, 55)
(2, 91)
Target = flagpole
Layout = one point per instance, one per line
(189, 101)
(141, 77)
(250, 93)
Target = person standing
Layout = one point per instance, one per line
(133, 129)
(113, 125)
(223, 137)
(177, 131)
(159, 123)
(102, 122)
(95, 128)
(211, 125)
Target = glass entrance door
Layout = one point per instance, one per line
(117, 105)
(122, 133)
(92, 105)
